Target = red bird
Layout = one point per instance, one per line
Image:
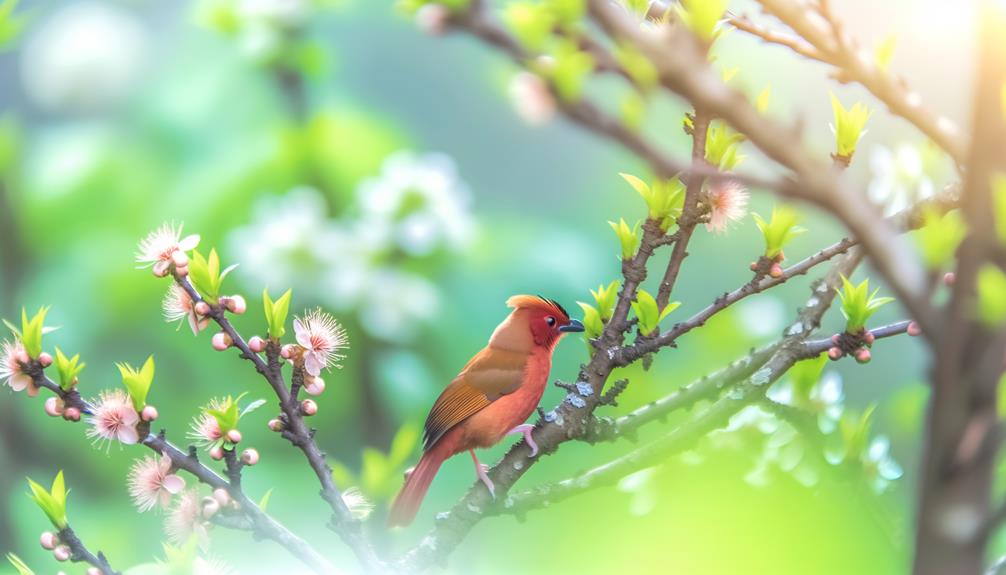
(492, 397)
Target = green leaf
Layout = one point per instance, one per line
(592, 323)
(849, 126)
(21, 566)
(570, 69)
(645, 308)
(531, 24)
(567, 12)
(32, 331)
(804, 377)
(51, 502)
(264, 502)
(628, 238)
(940, 236)
(251, 407)
(991, 288)
(778, 231)
(276, 313)
(11, 25)
(606, 297)
(702, 17)
(884, 52)
(69, 369)
(642, 71)
(762, 101)
(722, 146)
(855, 431)
(206, 276)
(858, 304)
(404, 444)
(138, 381)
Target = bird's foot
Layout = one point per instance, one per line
(482, 470)
(525, 429)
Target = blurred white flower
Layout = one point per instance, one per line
(824, 401)
(87, 56)
(761, 316)
(901, 177)
(643, 493)
(396, 303)
(421, 201)
(879, 466)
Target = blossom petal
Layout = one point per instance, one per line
(19, 381)
(173, 484)
(161, 267)
(127, 434)
(312, 364)
(188, 242)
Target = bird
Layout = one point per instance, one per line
(492, 397)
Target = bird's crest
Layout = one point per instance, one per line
(538, 302)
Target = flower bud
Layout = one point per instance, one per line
(287, 351)
(54, 407)
(431, 19)
(61, 553)
(48, 540)
(149, 413)
(863, 355)
(182, 271)
(210, 507)
(949, 278)
(217, 453)
(221, 341)
(249, 456)
(775, 271)
(222, 496)
(314, 385)
(93, 571)
(161, 268)
(236, 304)
(71, 414)
(256, 344)
(44, 359)
(914, 329)
(834, 354)
(836, 339)
(869, 338)
(308, 407)
(275, 425)
(234, 436)
(754, 266)
(202, 308)
(180, 259)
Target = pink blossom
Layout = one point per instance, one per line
(205, 430)
(177, 306)
(531, 98)
(727, 203)
(185, 520)
(322, 338)
(159, 247)
(12, 355)
(152, 483)
(114, 419)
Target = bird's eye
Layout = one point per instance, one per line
(550, 321)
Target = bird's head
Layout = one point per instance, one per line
(537, 320)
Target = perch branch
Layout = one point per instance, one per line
(79, 552)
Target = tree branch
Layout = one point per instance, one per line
(79, 552)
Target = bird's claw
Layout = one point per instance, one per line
(525, 429)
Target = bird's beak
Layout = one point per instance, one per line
(574, 325)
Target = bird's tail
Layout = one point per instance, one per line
(406, 505)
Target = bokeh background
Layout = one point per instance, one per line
(333, 148)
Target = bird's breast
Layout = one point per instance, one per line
(487, 427)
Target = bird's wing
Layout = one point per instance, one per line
(489, 375)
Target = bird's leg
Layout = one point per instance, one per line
(525, 428)
(480, 470)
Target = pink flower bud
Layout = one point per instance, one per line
(775, 271)
(222, 496)
(71, 414)
(834, 354)
(869, 338)
(210, 507)
(217, 453)
(61, 553)
(161, 268)
(286, 352)
(234, 436)
(48, 540)
(249, 456)
(431, 19)
(180, 258)
(275, 425)
(863, 355)
(93, 571)
(54, 407)
(182, 271)
(314, 385)
(949, 278)
(149, 413)
(914, 329)
(202, 308)
(44, 359)
(836, 339)
(256, 344)
(754, 266)
(221, 341)
(308, 407)
(236, 304)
